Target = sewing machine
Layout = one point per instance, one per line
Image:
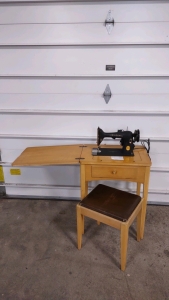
(127, 140)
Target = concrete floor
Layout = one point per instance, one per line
(39, 258)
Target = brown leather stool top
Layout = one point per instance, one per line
(111, 202)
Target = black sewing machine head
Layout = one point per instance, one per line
(127, 140)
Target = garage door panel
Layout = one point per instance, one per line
(160, 160)
(51, 175)
(84, 102)
(84, 62)
(119, 86)
(44, 192)
(160, 147)
(122, 11)
(159, 181)
(84, 34)
(66, 124)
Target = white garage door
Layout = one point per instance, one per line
(53, 59)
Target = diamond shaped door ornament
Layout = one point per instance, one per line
(109, 22)
(107, 94)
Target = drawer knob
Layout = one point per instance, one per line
(114, 172)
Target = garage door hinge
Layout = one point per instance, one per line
(107, 94)
(109, 22)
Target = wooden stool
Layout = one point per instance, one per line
(113, 207)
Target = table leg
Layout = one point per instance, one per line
(139, 215)
(138, 188)
(84, 187)
(145, 195)
(83, 182)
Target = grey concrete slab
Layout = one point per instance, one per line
(39, 259)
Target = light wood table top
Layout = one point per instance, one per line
(49, 155)
(77, 154)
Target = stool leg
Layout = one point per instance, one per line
(82, 224)
(80, 227)
(124, 243)
(139, 225)
(143, 216)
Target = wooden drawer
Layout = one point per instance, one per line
(114, 172)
